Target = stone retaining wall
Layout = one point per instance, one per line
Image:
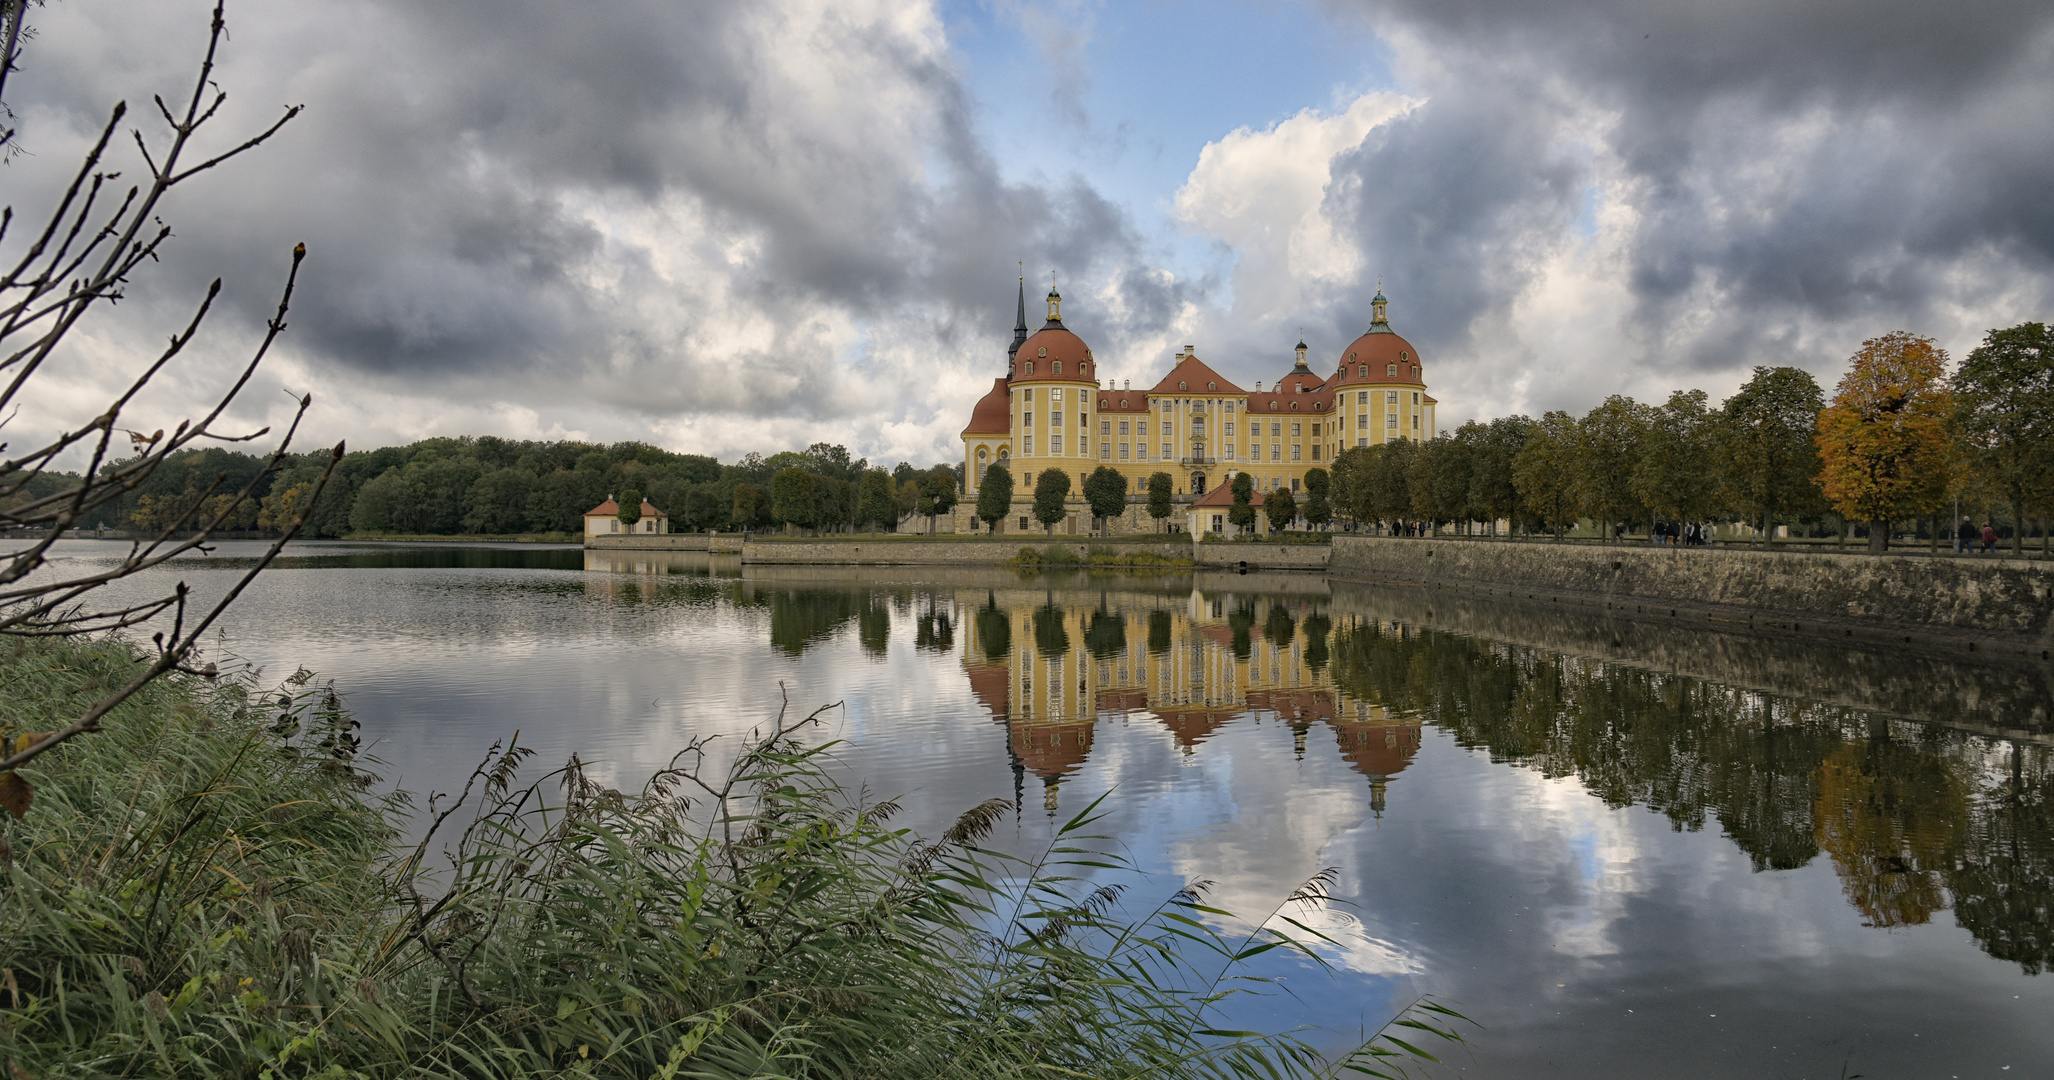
(651, 542)
(2010, 598)
(1259, 556)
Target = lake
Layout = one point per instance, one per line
(1622, 848)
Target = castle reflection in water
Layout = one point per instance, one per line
(1049, 669)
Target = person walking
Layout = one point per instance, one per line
(1989, 537)
(1964, 537)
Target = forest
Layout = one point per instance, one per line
(488, 486)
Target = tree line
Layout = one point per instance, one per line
(1902, 439)
(492, 486)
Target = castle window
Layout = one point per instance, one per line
(1044, 350)
(1123, 427)
(1390, 397)
(1275, 430)
(1123, 403)
(1181, 386)
(1055, 367)
(1105, 450)
(1273, 406)
(1415, 371)
(1030, 368)
(1123, 451)
(1390, 421)
(1212, 386)
(1297, 430)
(1351, 356)
(1055, 444)
(1141, 427)
(1363, 371)
(1056, 395)
(1362, 420)
(1166, 452)
(1276, 452)
(1055, 419)
(1390, 371)
(1027, 419)
(1362, 398)
(1105, 427)
(1404, 356)
(1294, 406)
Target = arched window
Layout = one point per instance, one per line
(1212, 386)
(1294, 406)
(1123, 403)
(1273, 406)
(1044, 350)
(1181, 386)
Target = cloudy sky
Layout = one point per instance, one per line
(729, 226)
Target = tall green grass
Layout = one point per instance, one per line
(208, 888)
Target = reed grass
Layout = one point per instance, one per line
(210, 887)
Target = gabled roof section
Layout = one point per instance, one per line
(1190, 377)
(610, 508)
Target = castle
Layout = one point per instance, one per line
(1051, 411)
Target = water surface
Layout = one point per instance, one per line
(1624, 848)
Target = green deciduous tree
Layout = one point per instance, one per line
(1161, 501)
(1106, 490)
(1349, 486)
(1318, 509)
(750, 509)
(1280, 507)
(1051, 498)
(1610, 438)
(793, 497)
(630, 507)
(874, 504)
(1768, 455)
(498, 502)
(1675, 475)
(995, 495)
(1439, 477)
(2004, 418)
(1883, 448)
(1545, 470)
(1242, 513)
(1493, 492)
(937, 493)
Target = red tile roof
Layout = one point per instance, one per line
(992, 415)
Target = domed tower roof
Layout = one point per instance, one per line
(1380, 355)
(992, 414)
(1053, 353)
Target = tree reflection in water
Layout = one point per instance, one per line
(1917, 818)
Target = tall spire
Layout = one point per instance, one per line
(1019, 323)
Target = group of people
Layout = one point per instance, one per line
(1966, 536)
(1682, 534)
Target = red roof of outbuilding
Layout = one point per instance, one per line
(610, 508)
(1220, 495)
(992, 415)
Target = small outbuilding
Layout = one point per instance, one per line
(604, 520)
(1209, 514)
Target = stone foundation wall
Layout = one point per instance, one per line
(648, 542)
(1260, 556)
(2010, 598)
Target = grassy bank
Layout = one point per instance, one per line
(1095, 555)
(208, 887)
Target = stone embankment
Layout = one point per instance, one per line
(1957, 604)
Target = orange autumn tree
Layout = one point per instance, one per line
(1883, 449)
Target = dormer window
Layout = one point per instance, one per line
(1415, 371)
(1273, 406)
(1055, 367)
(1212, 386)
(1364, 373)
(1182, 386)
(1390, 371)
(1044, 350)
(1294, 406)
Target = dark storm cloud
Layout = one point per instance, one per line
(1807, 163)
(505, 191)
